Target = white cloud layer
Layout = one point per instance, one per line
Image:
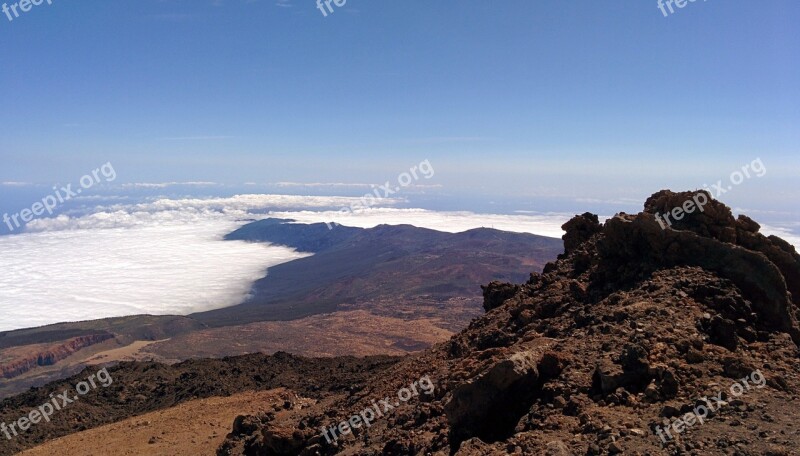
(163, 268)
(168, 257)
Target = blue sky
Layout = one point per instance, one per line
(518, 98)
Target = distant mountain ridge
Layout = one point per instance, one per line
(352, 265)
(374, 289)
(312, 238)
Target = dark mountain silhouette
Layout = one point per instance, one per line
(355, 265)
(382, 279)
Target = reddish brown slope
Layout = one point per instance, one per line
(601, 353)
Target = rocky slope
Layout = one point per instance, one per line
(139, 388)
(20, 350)
(203, 425)
(637, 340)
(49, 355)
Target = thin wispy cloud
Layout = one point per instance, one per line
(176, 17)
(449, 139)
(342, 185)
(617, 201)
(195, 138)
(319, 184)
(168, 184)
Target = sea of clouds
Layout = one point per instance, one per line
(168, 256)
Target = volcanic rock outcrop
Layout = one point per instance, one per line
(603, 351)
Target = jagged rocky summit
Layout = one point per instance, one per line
(634, 327)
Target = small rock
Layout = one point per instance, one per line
(694, 356)
(651, 391)
(669, 411)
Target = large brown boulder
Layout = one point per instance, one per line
(496, 293)
(484, 407)
(641, 241)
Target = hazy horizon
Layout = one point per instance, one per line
(529, 100)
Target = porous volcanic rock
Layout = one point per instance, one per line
(629, 329)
